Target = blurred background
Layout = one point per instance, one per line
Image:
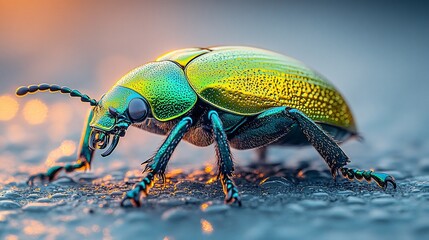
(375, 52)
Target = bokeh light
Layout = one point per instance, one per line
(35, 112)
(67, 148)
(8, 108)
(60, 120)
(206, 227)
(34, 228)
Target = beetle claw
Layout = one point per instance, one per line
(133, 196)
(231, 192)
(392, 181)
(232, 198)
(49, 176)
(41, 176)
(385, 182)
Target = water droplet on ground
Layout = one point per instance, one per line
(38, 207)
(9, 204)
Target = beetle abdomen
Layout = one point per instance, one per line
(247, 81)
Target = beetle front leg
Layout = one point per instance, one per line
(157, 164)
(83, 162)
(332, 153)
(225, 164)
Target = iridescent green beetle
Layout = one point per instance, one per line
(236, 97)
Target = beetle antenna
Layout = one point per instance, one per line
(22, 91)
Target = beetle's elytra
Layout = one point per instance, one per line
(237, 97)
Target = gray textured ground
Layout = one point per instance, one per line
(288, 204)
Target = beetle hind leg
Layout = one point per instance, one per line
(382, 179)
(333, 154)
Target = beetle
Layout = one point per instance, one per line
(232, 96)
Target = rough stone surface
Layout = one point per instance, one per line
(189, 203)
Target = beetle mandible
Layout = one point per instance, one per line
(239, 97)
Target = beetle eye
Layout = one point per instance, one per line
(137, 109)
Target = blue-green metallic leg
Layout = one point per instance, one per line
(322, 142)
(157, 164)
(83, 162)
(332, 153)
(225, 164)
(382, 179)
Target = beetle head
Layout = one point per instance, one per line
(115, 112)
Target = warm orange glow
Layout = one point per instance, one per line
(208, 168)
(212, 180)
(174, 172)
(300, 174)
(83, 230)
(35, 112)
(34, 228)
(8, 108)
(67, 148)
(59, 117)
(195, 174)
(11, 237)
(206, 226)
(204, 206)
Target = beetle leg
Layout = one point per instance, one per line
(157, 164)
(382, 179)
(261, 154)
(322, 142)
(83, 162)
(225, 163)
(333, 154)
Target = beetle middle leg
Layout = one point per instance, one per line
(83, 162)
(157, 164)
(225, 164)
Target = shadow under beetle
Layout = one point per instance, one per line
(238, 97)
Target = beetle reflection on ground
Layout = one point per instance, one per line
(239, 97)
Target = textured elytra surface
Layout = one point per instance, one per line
(249, 80)
(183, 56)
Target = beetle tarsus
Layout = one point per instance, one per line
(142, 187)
(49, 176)
(53, 172)
(382, 179)
(231, 191)
(41, 176)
